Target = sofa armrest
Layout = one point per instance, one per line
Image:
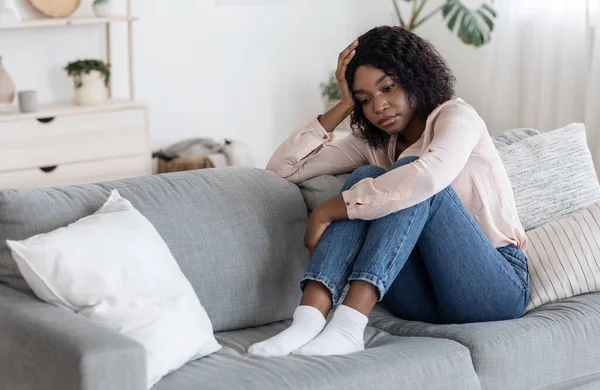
(46, 347)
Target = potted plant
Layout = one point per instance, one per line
(90, 78)
(473, 26)
(332, 94)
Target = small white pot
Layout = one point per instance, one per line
(92, 89)
(103, 8)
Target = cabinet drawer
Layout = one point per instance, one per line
(78, 173)
(33, 143)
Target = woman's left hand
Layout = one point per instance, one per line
(332, 210)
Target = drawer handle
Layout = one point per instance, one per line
(48, 169)
(46, 120)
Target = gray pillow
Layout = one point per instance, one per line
(552, 174)
(514, 135)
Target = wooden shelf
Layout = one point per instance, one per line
(66, 108)
(37, 23)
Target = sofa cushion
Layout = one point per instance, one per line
(237, 234)
(563, 257)
(321, 188)
(552, 174)
(389, 362)
(554, 346)
(513, 135)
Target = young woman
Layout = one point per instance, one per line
(426, 222)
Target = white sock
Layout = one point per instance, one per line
(308, 323)
(343, 335)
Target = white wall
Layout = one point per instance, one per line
(250, 73)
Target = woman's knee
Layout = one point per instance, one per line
(362, 173)
(404, 161)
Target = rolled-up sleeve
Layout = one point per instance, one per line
(456, 132)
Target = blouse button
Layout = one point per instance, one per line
(430, 150)
(325, 137)
(347, 203)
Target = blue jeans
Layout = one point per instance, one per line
(430, 262)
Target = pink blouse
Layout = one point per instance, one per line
(455, 149)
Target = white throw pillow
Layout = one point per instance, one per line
(114, 268)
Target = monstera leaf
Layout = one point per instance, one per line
(473, 27)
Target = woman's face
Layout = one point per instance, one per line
(383, 100)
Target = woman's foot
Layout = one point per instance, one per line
(343, 335)
(307, 324)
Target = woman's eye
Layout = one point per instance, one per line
(388, 88)
(363, 101)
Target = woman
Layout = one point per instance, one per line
(427, 221)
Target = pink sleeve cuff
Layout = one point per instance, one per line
(349, 204)
(317, 129)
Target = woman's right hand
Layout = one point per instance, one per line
(332, 118)
(340, 74)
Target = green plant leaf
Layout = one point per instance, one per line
(452, 21)
(76, 68)
(486, 19)
(489, 9)
(475, 26)
(448, 7)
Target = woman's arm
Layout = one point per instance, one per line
(306, 153)
(457, 131)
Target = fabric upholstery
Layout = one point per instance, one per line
(554, 346)
(389, 362)
(514, 135)
(552, 174)
(564, 257)
(46, 347)
(237, 234)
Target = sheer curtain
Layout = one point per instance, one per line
(537, 71)
(543, 70)
(592, 107)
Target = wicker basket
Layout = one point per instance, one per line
(55, 8)
(183, 164)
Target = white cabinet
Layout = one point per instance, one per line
(62, 145)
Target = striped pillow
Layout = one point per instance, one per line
(564, 257)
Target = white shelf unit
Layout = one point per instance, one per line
(38, 23)
(34, 145)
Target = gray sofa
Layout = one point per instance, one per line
(237, 234)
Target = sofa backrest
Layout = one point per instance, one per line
(237, 234)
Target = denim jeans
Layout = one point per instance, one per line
(430, 262)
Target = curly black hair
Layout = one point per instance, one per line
(412, 62)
